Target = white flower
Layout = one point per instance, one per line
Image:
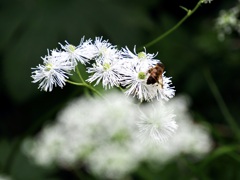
(104, 136)
(102, 49)
(113, 161)
(135, 74)
(51, 140)
(53, 72)
(190, 138)
(157, 122)
(143, 59)
(107, 66)
(227, 22)
(135, 67)
(107, 71)
(134, 80)
(165, 91)
(81, 53)
(87, 124)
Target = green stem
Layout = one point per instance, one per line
(79, 74)
(226, 113)
(87, 86)
(75, 83)
(189, 13)
(84, 83)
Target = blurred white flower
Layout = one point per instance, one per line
(157, 122)
(113, 161)
(189, 139)
(104, 137)
(4, 177)
(84, 126)
(52, 141)
(228, 22)
(54, 71)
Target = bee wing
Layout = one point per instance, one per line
(151, 80)
(161, 65)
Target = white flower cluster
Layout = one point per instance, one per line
(103, 136)
(106, 64)
(228, 21)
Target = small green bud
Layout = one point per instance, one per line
(141, 75)
(106, 66)
(71, 48)
(48, 67)
(141, 55)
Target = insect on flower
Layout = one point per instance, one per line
(156, 74)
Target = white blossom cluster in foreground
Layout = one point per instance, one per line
(106, 65)
(112, 138)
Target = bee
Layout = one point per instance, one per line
(156, 74)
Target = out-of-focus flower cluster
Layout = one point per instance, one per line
(112, 138)
(4, 177)
(228, 22)
(106, 65)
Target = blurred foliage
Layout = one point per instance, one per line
(30, 27)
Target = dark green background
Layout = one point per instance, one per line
(29, 27)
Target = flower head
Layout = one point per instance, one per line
(136, 73)
(228, 22)
(107, 67)
(107, 71)
(157, 122)
(134, 80)
(165, 91)
(104, 50)
(53, 72)
(117, 162)
(142, 58)
(80, 136)
(81, 53)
